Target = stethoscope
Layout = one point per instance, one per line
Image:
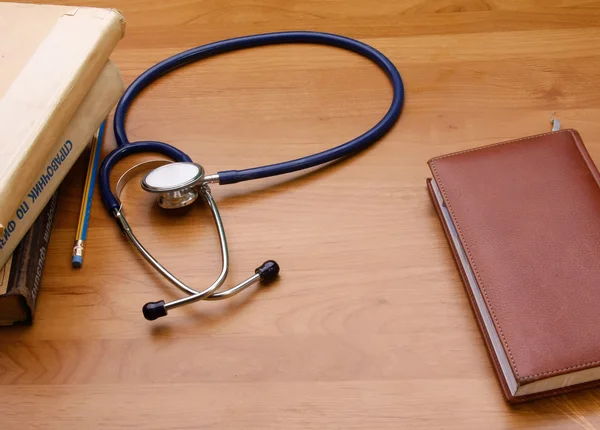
(180, 182)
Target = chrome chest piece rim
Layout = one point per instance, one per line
(176, 183)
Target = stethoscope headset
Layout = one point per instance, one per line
(180, 182)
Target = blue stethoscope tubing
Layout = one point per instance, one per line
(126, 148)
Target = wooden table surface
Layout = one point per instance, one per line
(369, 325)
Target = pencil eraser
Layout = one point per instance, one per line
(77, 261)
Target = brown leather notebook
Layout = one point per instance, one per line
(523, 221)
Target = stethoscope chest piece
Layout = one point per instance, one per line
(176, 183)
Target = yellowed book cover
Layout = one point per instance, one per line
(60, 157)
(50, 56)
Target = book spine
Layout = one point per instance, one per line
(98, 103)
(46, 94)
(27, 264)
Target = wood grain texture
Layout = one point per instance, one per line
(369, 325)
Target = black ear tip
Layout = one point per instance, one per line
(154, 310)
(268, 271)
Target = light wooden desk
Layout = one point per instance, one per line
(369, 326)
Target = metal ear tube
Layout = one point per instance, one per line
(176, 193)
(266, 274)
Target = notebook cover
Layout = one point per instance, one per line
(528, 214)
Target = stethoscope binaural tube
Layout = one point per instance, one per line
(173, 196)
(310, 37)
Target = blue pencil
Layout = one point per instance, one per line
(88, 193)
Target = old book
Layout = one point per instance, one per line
(523, 221)
(58, 158)
(20, 277)
(50, 56)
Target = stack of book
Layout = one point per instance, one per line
(57, 86)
